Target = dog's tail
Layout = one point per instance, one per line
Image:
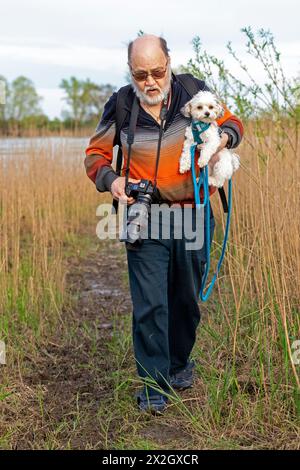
(235, 161)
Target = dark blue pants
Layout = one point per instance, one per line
(165, 281)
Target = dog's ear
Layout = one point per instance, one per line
(186, 110)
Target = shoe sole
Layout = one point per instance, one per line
(152, 411)
(145, 406)
(180, 388)
(189, 384)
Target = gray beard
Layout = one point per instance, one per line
(144, 98)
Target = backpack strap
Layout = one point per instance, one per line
(121, 110)
(121, 113)
(189, 83)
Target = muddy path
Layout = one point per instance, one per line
(78, 391)
(71, 377)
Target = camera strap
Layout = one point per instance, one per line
(163, 115)
(131, 132)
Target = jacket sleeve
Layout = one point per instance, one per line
(99, 153)
(233, 126)
(230, 124)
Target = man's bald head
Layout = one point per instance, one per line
(147, 54)
(148, 44)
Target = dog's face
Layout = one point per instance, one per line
(204, 106)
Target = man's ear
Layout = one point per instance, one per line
(186, 110)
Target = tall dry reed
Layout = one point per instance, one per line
(45, 201)
(259, 290)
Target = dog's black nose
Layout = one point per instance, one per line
(206, 113)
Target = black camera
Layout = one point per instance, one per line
(142, 191)
(137, 216)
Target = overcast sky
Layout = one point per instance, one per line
(50, 40)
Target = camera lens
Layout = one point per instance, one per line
(144, 199)
(137, 221)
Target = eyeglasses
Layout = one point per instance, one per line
(142, 75)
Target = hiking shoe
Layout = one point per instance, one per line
(156, 404)
(183, 379)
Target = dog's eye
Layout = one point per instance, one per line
(210, 107)
(200, 107)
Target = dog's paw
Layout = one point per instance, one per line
(202, 162)
(182, 170)
(235, 159)
(184, 166)
(216, 182)
(212, 181)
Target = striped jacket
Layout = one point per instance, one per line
(173, 186)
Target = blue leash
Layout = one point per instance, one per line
(203, 181)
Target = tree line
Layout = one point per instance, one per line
(21, 110)
(276, 98)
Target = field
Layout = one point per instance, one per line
(65, 310)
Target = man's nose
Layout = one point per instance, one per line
(150, 80)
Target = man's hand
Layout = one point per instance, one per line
(117, 190)
(215, 157)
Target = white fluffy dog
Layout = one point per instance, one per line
(205, 107)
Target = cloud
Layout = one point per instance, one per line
(81, 57)
(50, 40)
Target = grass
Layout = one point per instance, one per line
(247, 391)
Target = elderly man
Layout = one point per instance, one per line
(165, 276)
